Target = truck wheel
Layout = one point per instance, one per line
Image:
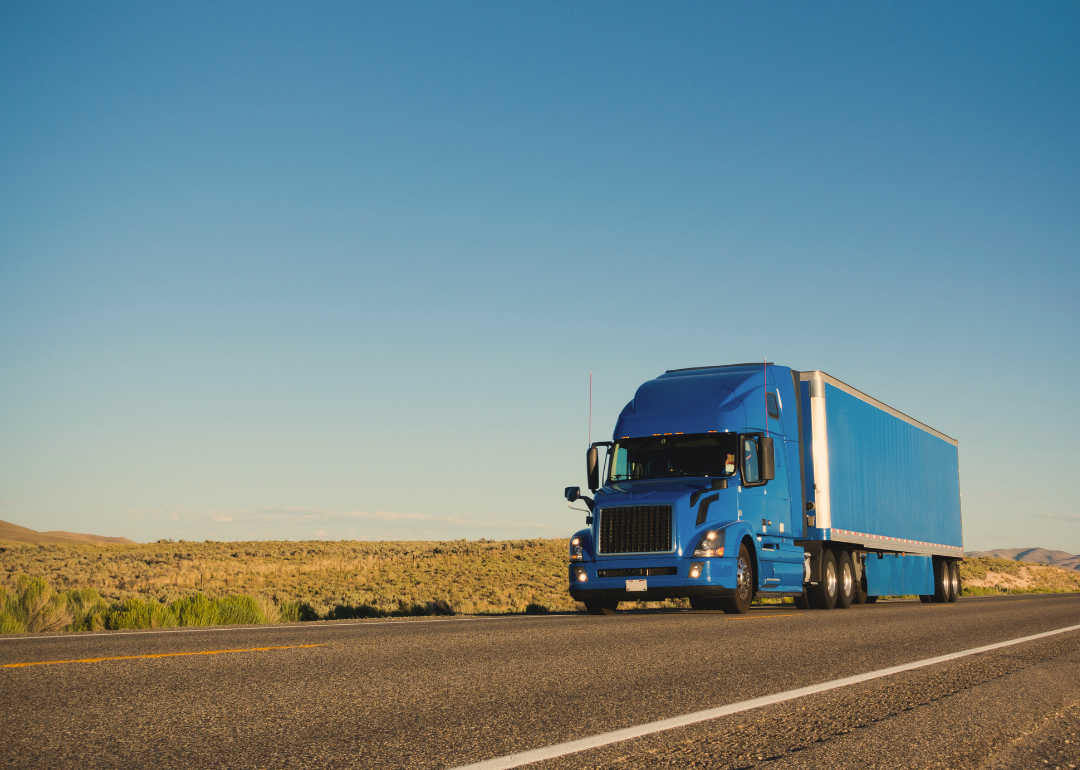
(860, 590)
(871, 599)
(942, 581)
(802, 601)
(845, 590)
(602, 607)
(954, 571)
(744, 585)
(926, 599)
(829, 585)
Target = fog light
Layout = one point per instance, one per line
(576, 553)
(695, 568)
(581, 575)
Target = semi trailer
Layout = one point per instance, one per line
(725, 483)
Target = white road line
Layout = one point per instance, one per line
(583, 744)
(306, 626)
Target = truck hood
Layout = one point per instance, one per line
(676, 493)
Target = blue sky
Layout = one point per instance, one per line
(270, 271)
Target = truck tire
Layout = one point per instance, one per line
(802, 601)
(829, 585)
(744, 585)
(926, 599)
(860, 590)
(942, 581)
(602, 607)
(845, 573)
(871, 599)
(954, 569)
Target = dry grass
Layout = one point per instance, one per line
(183, 583)
(988, 575)
(356, 578)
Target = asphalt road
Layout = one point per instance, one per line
(443, 693)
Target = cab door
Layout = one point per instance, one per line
(766, 504)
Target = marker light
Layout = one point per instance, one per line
(695, 568)
(712, 544)
(581, 575)
(576, 552)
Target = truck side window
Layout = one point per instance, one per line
(750, 472)
(773, 405)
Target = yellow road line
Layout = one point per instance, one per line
(156, 655)
(765, 617)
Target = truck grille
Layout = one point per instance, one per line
(636, 529)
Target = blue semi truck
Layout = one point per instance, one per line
(726, 483)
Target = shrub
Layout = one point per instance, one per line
(88, 609)
(536, 609)
(289, 612)
(239, 610)
(35, 607)
(196, 610)
(135, 613)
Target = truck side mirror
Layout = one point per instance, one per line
(572, 493)
(768, 459)
(592, 468)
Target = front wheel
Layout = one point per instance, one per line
(744, 586)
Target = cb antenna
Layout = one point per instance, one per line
(590, 408)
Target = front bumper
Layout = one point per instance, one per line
(717, 579)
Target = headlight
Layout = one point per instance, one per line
(576, 553)
(712, 544)
(580, 575)
(695, 568)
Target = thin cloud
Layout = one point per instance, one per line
(1056, 516)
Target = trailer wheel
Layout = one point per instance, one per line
(829, 586)
(601, 607)
(744, 585)
(954, 570)
(926, 599)
(942, 581)
(802, 601)
(845, 589)
(871, 599)
(860, 590)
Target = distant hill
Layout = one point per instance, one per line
(9, 531)
(1036, 555)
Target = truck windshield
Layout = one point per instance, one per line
(665, 457)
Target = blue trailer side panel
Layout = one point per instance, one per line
(896, 575)
(888, 477)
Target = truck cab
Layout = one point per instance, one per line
(699, 494)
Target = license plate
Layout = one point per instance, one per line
(637, 585)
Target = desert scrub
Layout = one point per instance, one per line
(990, 576)
(33, 606)
(366, 579)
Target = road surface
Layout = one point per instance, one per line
(444, 693)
